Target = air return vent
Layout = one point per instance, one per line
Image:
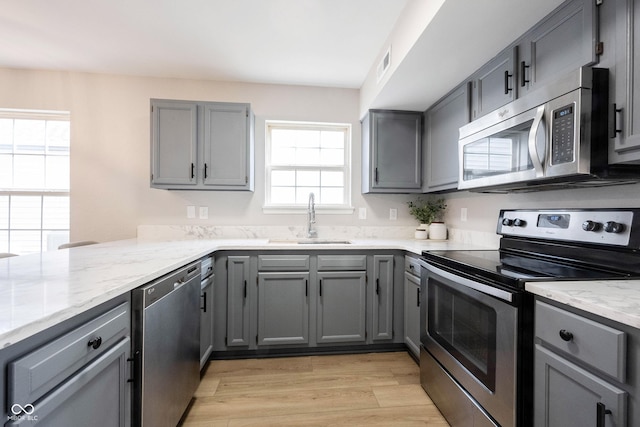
(384, 64)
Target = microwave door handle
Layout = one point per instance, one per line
(533, 136)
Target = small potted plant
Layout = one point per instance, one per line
(427, 212)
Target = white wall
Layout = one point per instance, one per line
(110, 146)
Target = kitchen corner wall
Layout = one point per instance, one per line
(110, 149)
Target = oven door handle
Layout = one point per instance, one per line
(480, 287)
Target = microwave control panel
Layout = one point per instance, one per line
(562, 135)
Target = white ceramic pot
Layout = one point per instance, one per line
(437, 231)
(421, 234)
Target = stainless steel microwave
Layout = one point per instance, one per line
(554, 137)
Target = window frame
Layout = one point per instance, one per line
(44, 192)
(344, 208)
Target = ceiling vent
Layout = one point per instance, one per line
(384, 64)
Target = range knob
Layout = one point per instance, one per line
(613, 227)
(589, 225)
(507, 221)
(519, 222)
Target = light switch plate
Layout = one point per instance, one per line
(393, 214)
(191, 212)
(362, 213)
(204, 212)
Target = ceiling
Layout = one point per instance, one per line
(304, 42)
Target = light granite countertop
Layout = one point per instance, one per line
(40, 290)
(618, 300)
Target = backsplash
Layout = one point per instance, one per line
(186, 232)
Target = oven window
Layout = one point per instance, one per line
(466, 328)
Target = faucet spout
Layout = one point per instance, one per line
(311, 217)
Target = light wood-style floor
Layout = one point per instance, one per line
(380, 389)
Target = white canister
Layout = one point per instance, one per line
(437, 231)
(421, 234)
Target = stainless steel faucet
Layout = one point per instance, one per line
(311, 217)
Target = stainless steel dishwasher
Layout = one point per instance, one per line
(166, 347)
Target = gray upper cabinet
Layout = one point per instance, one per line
(625, 96)
(391, 152)
(202, 145)
(494, 85)
(283, 308)
(442, 130)
(562, 42)
(174, 145)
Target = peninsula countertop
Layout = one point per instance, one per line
(41, 290)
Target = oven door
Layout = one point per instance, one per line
(471, 329)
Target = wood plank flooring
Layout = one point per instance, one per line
(372, 389)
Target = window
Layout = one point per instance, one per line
(34, 180)
(303, 158)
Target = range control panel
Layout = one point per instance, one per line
(601, 226)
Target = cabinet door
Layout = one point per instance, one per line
(283, 308)
(226, 146)
(383, 297)
(412, 313)
(442, 127)
(494, 84)
(626, 97)
(341, 314)
(392, 157)
(568, 396)
(237, 301)
(561, 43)
(206, 321)
(174, 141)
(96, 394)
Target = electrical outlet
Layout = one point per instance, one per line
(204, 212)
(362, 213)
(463, 214)
(393, 214)
(191, 212)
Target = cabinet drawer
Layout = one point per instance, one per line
(342, 262)
(598, 345)
(412, 265)
(283, 262)
(35, 374)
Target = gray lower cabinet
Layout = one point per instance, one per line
(412, 313)
(580, 371)
(238, 307)
(201, 145)
(206, 320)
(341, 309)
(442, 124)
(391, 152)
(562, 42)
(78, 378)
(383, 297)
(283, 308)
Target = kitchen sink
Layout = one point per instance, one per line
(310, 241)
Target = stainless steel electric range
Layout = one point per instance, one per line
(476, 357)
